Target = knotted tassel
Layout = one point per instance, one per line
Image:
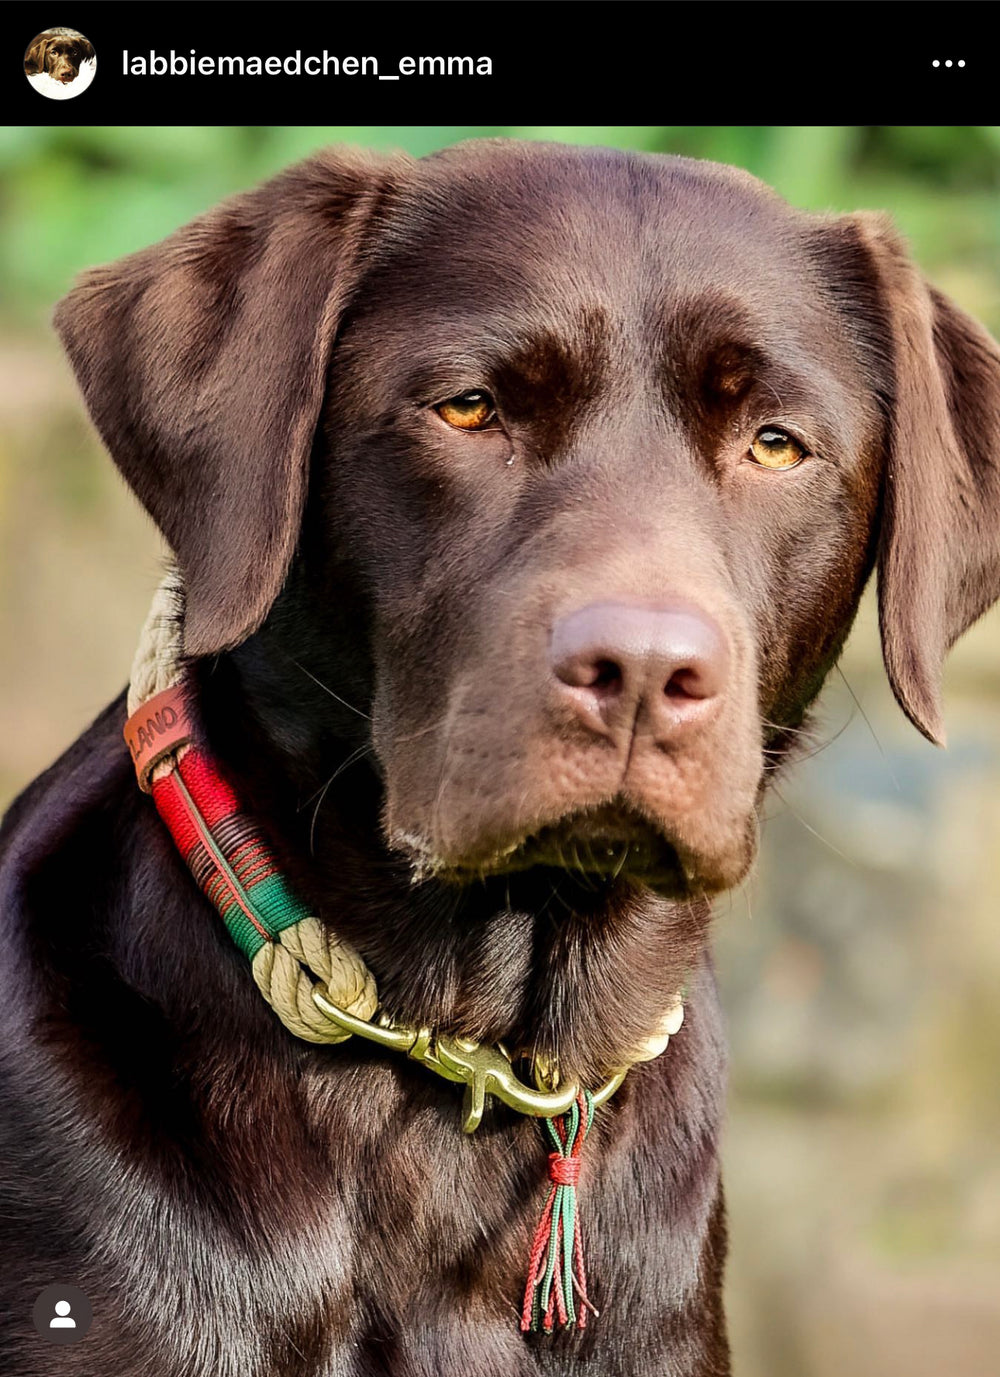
(557, 1278)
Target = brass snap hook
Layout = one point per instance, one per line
(483, 1070)
(397, 1037)
(486, 1071)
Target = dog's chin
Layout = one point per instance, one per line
(598, 848)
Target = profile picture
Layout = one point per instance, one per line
(60, 63)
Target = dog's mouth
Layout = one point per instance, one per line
(604, 844)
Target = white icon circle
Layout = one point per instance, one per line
(935, 63)
(961, 62)
(62, 1309)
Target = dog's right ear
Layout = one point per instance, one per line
(203, 361)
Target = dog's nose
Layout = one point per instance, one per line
(619, 662)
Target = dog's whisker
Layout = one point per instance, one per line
(621, 864)
(354, 756)
(809, 828)
(797, 757)
(745, 891)
(326, 689)
(786, 730)
(312, 825)
(580, 868)
(361, 751)
(560, 900)
(871, 729)
(424, 731)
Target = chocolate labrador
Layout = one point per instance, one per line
(523, 497)
(59, 53)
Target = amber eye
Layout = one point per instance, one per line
(775, 449)
(469, 411)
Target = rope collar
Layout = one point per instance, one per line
(320, 987)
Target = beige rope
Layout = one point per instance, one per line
(157, 662)
(285, 971)
(305, 954)
(670, 1024)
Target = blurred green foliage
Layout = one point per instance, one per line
(76, 196)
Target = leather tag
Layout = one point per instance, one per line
(156, 728)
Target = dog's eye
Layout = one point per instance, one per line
(469, 411)
(775, 449)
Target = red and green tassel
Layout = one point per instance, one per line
(556, 1290)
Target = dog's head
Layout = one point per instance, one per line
(588, 457)
(58, 52)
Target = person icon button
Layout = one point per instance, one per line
(62, 1314)
(63, 1319)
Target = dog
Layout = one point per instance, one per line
(523, 497)
(59, 53)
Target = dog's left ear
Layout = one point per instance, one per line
(34, 61)
(204, 360)
(86, 50)
(939, 548)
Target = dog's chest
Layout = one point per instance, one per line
(397, 1245)
(400, 1251)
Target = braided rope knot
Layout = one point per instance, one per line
(302, 956)
(564, 1171)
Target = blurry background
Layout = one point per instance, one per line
(861, 964)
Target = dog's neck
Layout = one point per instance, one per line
(541, 961)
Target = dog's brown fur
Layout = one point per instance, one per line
(366, 584)
(59, 53)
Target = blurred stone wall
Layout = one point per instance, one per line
(860, 971)
(78, 564)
